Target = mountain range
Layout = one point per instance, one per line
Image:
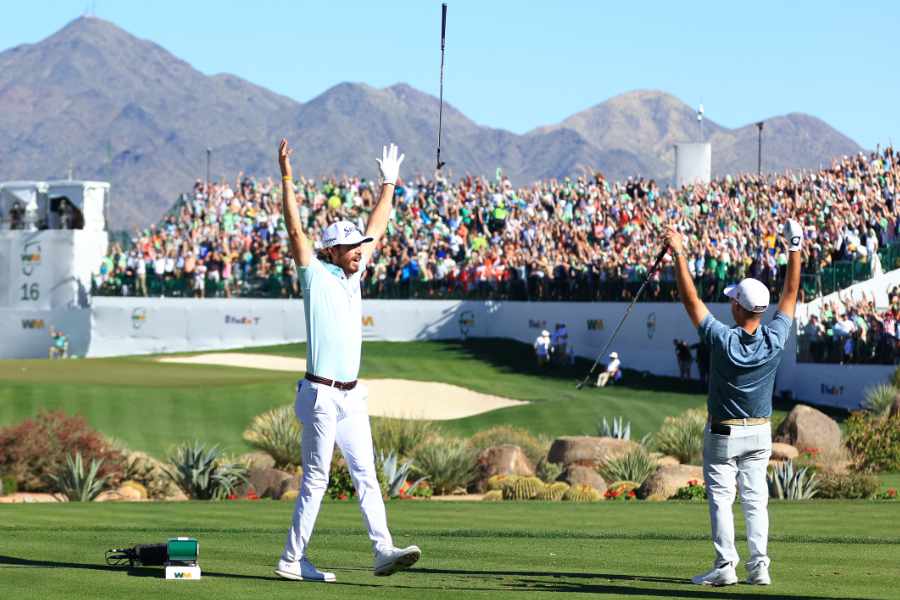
(98, 102)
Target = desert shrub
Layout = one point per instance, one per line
(879, 399)
(682, 436)
(636, 466)
(149, 472)
(393, 475)
(340, 484)
(622, 490)
(401, 435)
(547, 471)
(35, 450)
(77, 483)
(277, 433)
(694, 490)
(534, 448)
(786, 482)
(874, 441)
(619, 428)
(852, 486)
(8, 485)
(449, 463)
(203, 473)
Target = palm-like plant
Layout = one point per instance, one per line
(77, 485)
(787, 483)
(202, 473)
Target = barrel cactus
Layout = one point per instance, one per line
(553, 492)
(493, 496)
(498, 482)
(524, 488)
(582, 493)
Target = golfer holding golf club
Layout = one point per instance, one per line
(330, 403)
(738, 439)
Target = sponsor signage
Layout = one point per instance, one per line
(33, 324)
(595, 325)
(832, 390)
(368, 321)
(231, 320)
(138, 317)
(537, 324)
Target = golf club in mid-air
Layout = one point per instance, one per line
(609, 342)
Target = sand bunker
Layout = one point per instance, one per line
(387, 397)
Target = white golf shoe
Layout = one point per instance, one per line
(301, 570)
(758, 574)
(724, 575)
(391, 560)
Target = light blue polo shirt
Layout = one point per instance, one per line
(333, 306)
(743, 366)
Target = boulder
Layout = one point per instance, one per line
(261, 460)
(782, 452)
(667, 480)
(502, 460)
(587, 450)
(895, 407)
(32, 497)
(109, 496)
(578, 474)
(176, 495)
(806, 428)
(132, 491)
(667, 461)
(266, 482)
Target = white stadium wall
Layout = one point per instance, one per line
(123, 326)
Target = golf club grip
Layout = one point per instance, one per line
(443, 23)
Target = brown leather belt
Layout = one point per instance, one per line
(341, 385)
(744, 422)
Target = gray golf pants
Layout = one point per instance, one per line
(330, 416)
(738, 462)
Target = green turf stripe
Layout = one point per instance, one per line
(487, 533)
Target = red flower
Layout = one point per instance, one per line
(892, 493)
(251, 495)
(693, 482)
(343, 497)
(631, 494)
(232, 496)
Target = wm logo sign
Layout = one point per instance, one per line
(32, 323)
(595, 325)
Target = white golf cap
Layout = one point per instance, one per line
(614, 355)
(751, 294)
(545, 333)
(342, 233)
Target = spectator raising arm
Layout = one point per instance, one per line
(793, 234)
(300, 247)
(389, 165)
(696, 310)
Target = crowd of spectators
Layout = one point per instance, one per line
(852, 330)
(580, 238)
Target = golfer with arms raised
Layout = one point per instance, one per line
(738, 438)
(330, 403)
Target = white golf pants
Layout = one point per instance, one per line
(738, 460)
(331, 416)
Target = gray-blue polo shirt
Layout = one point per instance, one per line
(333, 306)
(743, 366)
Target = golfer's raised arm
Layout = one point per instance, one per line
(696, 310)
(389, 165)
(793, 234)
(300, 247)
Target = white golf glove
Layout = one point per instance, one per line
(793, 233)
(389, 164)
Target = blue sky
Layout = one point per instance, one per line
(519, 65)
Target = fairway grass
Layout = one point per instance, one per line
(152, 406)
(470, 550)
